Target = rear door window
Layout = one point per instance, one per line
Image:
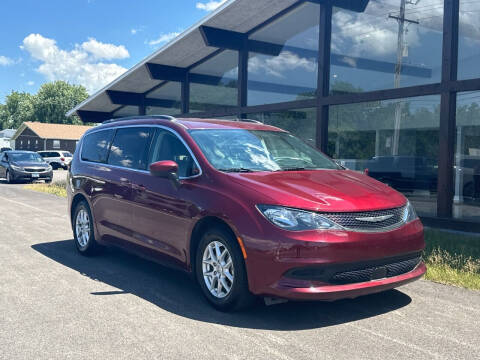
(130, 148)
(95, 146)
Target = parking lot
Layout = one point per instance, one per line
(57, 304)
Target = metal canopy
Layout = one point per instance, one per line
(163, 79)
(184, 51)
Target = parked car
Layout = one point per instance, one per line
(57, 158)
(249, 209)
(24, 166)
(467, 177)
(404, 173)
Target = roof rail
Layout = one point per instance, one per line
(250, 120)
(162, 117)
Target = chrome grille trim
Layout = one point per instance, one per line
(373, 221)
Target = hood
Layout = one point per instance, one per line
(33, 164)
(321, 190)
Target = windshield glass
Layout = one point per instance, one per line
(240, 150)
(25, 157)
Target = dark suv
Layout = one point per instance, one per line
(249, 209)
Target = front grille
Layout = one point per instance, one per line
(372, 273)
(350, 273)
(34, 169)
(368, 220)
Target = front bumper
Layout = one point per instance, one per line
(19, 175)
(301, 290)
(339, 260)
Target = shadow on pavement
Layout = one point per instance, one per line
(176, 292)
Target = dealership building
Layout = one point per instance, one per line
(391, 87)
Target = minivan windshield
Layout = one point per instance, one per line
(25, 157)
(240, 150)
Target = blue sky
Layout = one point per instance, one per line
(88, 42)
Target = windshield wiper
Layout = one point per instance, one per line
(292, 169)
(238, 170)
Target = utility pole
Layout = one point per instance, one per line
(398, 67)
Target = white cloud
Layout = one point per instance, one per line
(30, 83)
(136, 30)
(163, 38)
(210, 5)
(5, 61)
(105, 51)
(80, 65)
(276, 66)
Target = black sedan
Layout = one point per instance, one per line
(24, 166)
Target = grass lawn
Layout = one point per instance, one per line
(53, 188)
(453, 258)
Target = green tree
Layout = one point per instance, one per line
(54, 99)
(18, 108)
(49, 105)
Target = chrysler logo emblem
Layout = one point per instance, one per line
(374, 219)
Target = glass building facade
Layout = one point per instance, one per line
(387, 87)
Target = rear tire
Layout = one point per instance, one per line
(84, 236)
(220, 271)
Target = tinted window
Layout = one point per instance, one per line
(95, 146)
(130, 148)
(67, 154)
(167, 146)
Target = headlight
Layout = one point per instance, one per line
(15, 167)
(409, 213)
(296, 220)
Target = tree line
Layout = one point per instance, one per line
(48, 105)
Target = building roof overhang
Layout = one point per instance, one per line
(227, 27)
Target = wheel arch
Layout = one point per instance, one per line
(199, 229)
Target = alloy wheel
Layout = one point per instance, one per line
(218, 270)
(82, 227)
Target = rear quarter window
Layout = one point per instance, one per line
(95, 145)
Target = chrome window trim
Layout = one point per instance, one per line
(139, 170)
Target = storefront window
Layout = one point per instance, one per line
(167, 98)
(213, 84)
(467, 157)
(396, 140)
(385, 47)
(287, 70)
(128, 110)
(301, 122)
(469, 40)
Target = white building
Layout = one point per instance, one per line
(5, 138)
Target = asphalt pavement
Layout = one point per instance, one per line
(56, 304)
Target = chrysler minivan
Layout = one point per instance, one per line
(248, 209)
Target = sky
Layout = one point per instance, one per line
(87, 42)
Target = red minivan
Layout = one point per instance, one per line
(249, 209)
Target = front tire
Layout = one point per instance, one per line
(220, 271)
(83, 230)
(9, 177)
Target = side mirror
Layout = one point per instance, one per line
(166, 169)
